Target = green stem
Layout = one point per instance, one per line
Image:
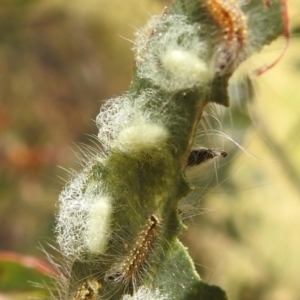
(118, 221)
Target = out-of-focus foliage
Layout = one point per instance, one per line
(23, 275)
(59, 59)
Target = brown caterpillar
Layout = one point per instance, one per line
(88, 291)
(232, 21)
(137, 256)
(201, 155)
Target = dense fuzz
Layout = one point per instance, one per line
(174, 58)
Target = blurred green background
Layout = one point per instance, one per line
(59, 59)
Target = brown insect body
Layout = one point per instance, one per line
(137, 256)
(232, 21)
(233, 24)
(202, 155)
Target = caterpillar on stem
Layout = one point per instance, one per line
(233, 23)
(131, 265)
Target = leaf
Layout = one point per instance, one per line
(20, 273)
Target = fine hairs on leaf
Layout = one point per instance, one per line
(119, 219)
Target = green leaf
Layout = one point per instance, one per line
(20, 273)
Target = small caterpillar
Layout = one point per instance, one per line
(88, 291)
(201, 155)
(232, 21)
(137, 257)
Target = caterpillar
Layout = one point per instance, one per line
(131, 265)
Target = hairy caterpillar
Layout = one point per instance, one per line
(131, 265)
(233, 23)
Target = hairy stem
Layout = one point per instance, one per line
(118, 222)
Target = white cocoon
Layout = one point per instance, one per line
(185, 65)
(143, 135)
(98, 225)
